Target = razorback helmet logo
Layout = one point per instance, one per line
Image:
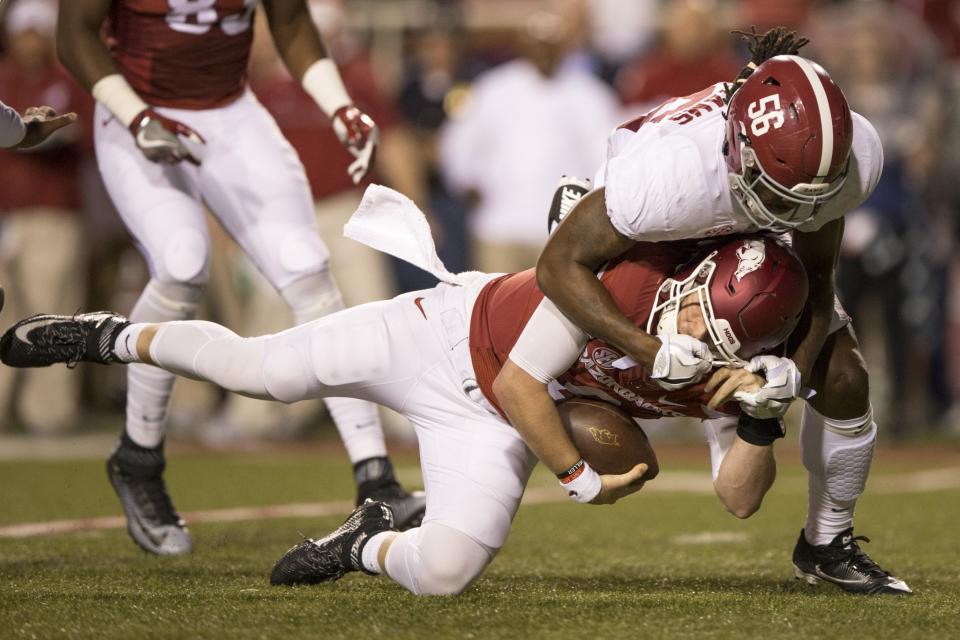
(751, 255)
(751, 291)
(788, 140)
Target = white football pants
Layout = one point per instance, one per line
(252, 180)
(410, 354)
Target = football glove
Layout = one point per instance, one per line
(781, 388)
(568, 194)
(681, 361)
(359, 134)
(161, 139)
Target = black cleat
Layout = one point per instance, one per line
(43, 340)
(408, 508)
(136, 474)
(843, 563)
(329, 558)
(376, 481)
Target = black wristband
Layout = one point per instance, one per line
(760, 432)
(573, 472)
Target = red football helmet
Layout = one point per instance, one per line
(751, 289)
(788, 142)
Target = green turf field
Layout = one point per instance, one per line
(644, 568)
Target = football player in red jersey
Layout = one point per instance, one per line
(779, 149)
(439, 356)
(177, 128)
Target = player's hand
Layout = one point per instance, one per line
(681, 361)
(613, 487)
(41, 123)
(727, 382)
(565, 198)
(359, 134)
(780, 388)
(161, 139)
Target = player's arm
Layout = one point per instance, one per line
(36, 125)
(819, 251)
(299, 45)
(85, 56)
(12, 128)
(549, 344)
(566, 273)
(746, 474)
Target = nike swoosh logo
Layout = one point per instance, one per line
(663, 400)
(816, 569)
(420, 306)
(146, 143)
(21, 333)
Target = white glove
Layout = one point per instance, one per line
(681, 361)
(568, 193)
(781, 388)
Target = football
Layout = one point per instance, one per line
(607, 438)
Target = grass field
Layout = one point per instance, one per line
(669, 563)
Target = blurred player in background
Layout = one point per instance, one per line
(176, 127)
(779, 150)
(40, 210)
(525, 122)
(477, 364)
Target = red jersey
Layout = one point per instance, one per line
(505, 305)
(186, 54)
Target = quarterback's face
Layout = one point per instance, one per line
(690, 320)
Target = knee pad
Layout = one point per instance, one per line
(165, 301)
(286, 376)
(185, 257)
(449, 561)
(285, 252)
(312, 296)
(839, 452)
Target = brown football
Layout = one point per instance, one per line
(607, 438)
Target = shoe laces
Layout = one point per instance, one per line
(155, 492)
(851, 554)
(67, 337)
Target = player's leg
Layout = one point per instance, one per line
(837, 437)
(474, 482)
(475, 468)
(160, 206)
(259, 192)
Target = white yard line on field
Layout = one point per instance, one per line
(667, 482)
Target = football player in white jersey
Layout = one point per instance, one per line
(29, 130)
(779, 149)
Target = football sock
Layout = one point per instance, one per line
(372, 473)
(125, 348)
(368, 557)
(837, 454)
(149, 388)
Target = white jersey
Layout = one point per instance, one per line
(12, 128)
(666, 177)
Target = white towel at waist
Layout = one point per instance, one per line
(388, 221)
